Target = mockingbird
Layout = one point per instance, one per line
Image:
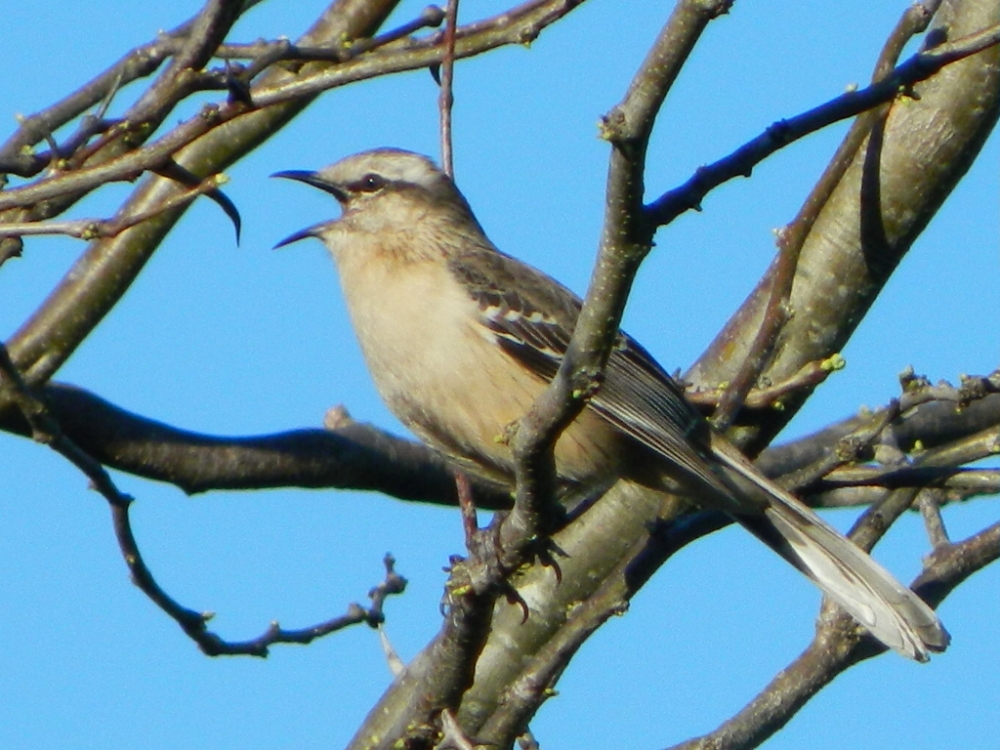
(461, 339)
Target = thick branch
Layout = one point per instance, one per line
(353, 456)
(101, 276)
(894, 186)
(280, 88)
(512, 647)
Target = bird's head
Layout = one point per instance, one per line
(381, 190)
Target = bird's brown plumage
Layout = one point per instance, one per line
(461, 339)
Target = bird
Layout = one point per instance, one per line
(461, 338)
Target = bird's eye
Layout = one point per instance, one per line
(371, 182)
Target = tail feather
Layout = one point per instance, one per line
(889, 610)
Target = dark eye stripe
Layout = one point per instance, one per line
(370, 183)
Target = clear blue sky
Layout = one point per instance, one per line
(244, 340)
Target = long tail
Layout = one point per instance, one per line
(888, 609)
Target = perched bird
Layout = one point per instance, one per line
(461, 339)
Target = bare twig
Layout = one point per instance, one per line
(958, 482)
(771, 396)
(930, 508)
(850, 448)
(89, 229)
(46, 429)
(446, 99)
(935, 424)
(963, 450)
(510, 28)
(264, 54)
(791, 238)
(16, 155)
(741, 162)
(195, 624)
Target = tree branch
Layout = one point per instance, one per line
(352, 456)
(791, 238)
(920, 67)
(961, 102)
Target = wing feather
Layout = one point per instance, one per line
(644, 402)
(637, 395)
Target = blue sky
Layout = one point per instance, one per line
(243, 340)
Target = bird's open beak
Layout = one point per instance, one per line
(313, 231)
(314, 179)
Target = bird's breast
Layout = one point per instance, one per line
(444, 376)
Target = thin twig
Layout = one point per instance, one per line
(46, 430)
(929, 504)
(446, 98)
(509, 28)
(195, 624)
(16, 156)
(89, 229)
(741, 162)
(771, 396)
(957, 481)
(849, 448)
(283, 50)
(264, 54)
